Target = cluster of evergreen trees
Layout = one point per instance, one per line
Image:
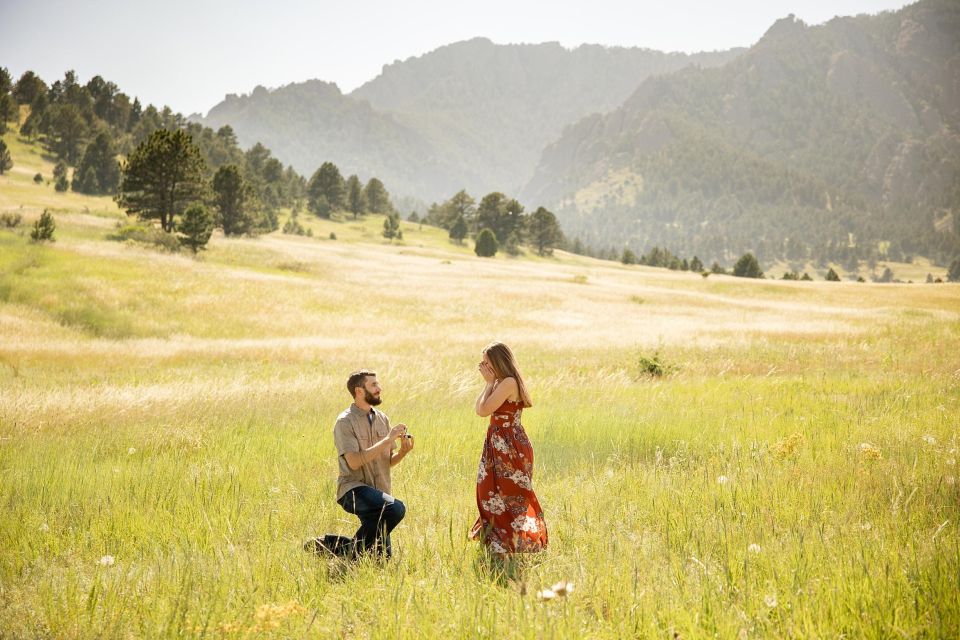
(182, 174)
(327, 191)
(497, 222)
(87, 126)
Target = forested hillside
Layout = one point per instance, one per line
(472, 115)
(86, 126)
(839, 141)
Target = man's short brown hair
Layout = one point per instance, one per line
(356, 379)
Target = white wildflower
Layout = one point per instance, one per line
(770, 600)
(949, 480)
(44, 527)
(722, 480)
(131, 451)
(929, 439)
(546, 594)
(754, 548)
(107, 561)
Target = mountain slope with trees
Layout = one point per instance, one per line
(834, 142)
(472, 114)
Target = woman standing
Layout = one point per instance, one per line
(511, 520)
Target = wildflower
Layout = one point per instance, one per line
(107, 561)
(269, 616)
(865, 526)
(722, 480)
(951, 462)
(558, 590)
(44, 527)
(870, 451)
(274, 489)
(929, 439)
(949, 480)
(770, 600)
(754, 548)
(131, 451)
(788, 446)
(562, 588)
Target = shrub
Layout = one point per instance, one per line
(10, 220)
(654, 366)
(38, 178)
(486, 244)
(147, 234)
(43, 228)
(293, 227)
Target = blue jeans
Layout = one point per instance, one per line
(379, 513)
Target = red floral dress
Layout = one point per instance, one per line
(511, 520)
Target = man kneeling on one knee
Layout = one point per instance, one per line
(366, 448)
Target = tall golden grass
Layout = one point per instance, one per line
(165, 443)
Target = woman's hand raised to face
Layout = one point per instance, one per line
(487, 372)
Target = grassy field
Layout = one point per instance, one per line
(166, 443)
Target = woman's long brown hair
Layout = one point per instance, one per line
(505, 366)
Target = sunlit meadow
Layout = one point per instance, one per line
(166, 447)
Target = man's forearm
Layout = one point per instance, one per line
(357, 459)
(397, 457)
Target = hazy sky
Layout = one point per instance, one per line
(189, 53)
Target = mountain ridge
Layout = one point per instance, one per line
(475, 114)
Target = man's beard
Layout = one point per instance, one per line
(372, 400)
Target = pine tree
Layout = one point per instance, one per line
(391, 227)
(325, 191)
(376, 197)
(696, 265)
(832, 276)
(60, 182)
(490, 212)
(459, 230)
(162, 177)
(98, 171)
(195, 227)
(232, 195)
(953, 273)
(544, 231)
(747, 267)
(355, 200)
(628, 257)
(6, 161)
